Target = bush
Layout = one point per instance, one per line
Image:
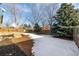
(63, 32)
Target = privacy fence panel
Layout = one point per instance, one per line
(76, 35)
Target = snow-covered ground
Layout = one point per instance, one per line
(48, 46)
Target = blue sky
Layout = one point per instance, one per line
(23, 11)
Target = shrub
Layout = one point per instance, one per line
(37, 28)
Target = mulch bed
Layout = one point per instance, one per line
(11, 50)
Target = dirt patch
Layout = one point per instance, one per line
(11, 50)
(25, 44)
(22, 46)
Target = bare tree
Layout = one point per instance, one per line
(14, 12)
(40, 12)
(36, 14)
(49, 11)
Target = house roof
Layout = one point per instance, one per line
(13, 25)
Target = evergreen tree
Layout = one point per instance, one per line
(66, 18)
(37, 28)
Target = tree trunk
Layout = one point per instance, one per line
(50, 24)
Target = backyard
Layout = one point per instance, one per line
(32, 44)
(49, 29)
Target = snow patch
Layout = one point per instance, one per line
(33, 36)
(49, 46)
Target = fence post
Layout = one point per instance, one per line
(76, 35)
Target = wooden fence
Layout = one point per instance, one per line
(76, 35)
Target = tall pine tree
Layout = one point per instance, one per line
(67, 18)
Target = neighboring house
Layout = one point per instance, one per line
(15, 28)
(46, 27)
